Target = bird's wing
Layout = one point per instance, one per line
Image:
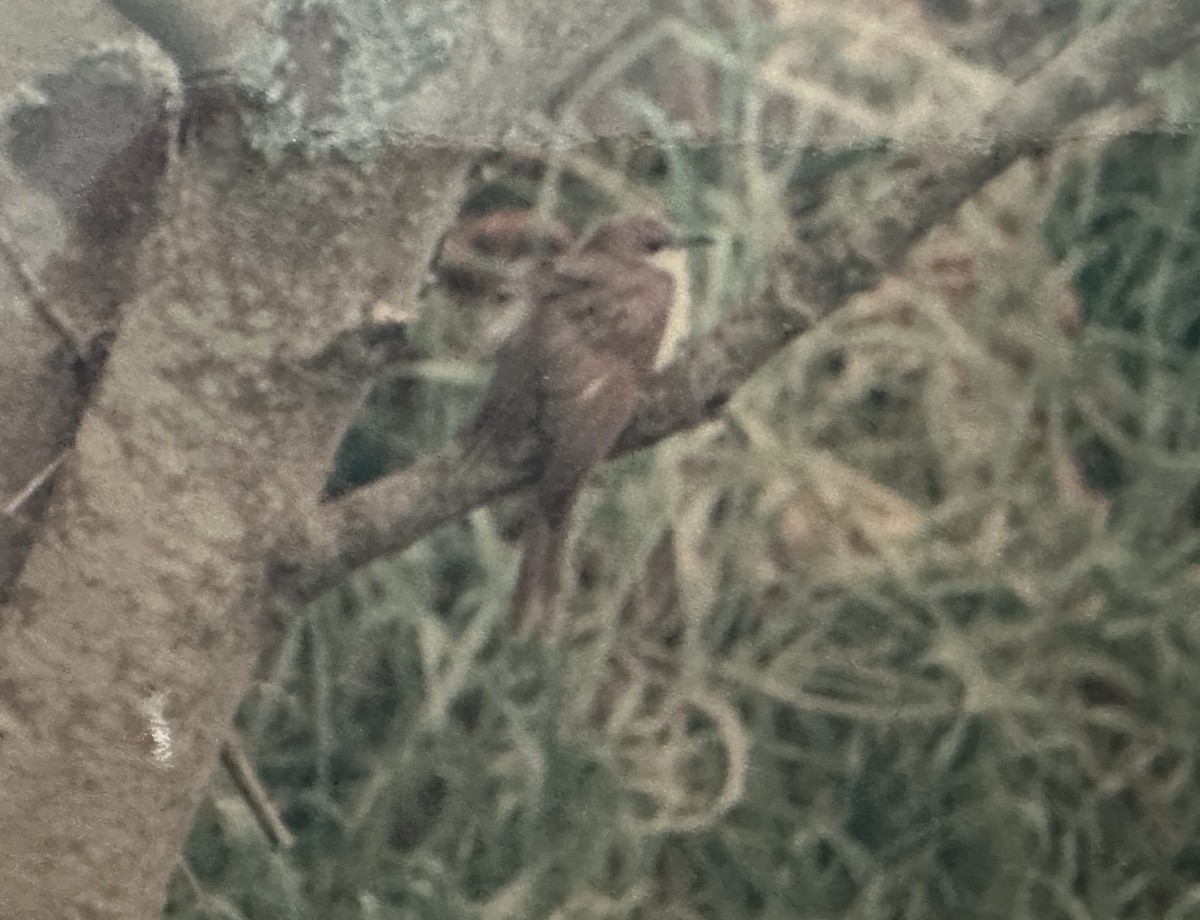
(589, 383)
(510, 404)
(582, 419)
(522, 362)
(576, 365)
(532, 355)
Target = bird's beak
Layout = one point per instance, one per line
(692, 240)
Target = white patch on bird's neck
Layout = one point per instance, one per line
(679, 321)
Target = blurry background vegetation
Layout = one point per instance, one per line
(910, 632)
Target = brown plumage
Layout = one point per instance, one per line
(577, 369)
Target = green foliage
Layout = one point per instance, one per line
(1134, 215)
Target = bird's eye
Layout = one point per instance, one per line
(653, 246)
(487, 245)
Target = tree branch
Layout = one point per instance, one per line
(838, 252)
(184, 31)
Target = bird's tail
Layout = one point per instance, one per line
(539, 579)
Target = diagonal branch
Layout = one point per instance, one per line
(837, 253)
(182, 30)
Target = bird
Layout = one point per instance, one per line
(480, 268)
(576, 369)
(483, 254)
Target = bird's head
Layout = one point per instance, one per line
(639, 237)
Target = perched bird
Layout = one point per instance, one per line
(483, 255)
(576, 369)
(481, 267)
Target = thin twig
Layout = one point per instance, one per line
(245, 777)
(36, 295)
(43, 476)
